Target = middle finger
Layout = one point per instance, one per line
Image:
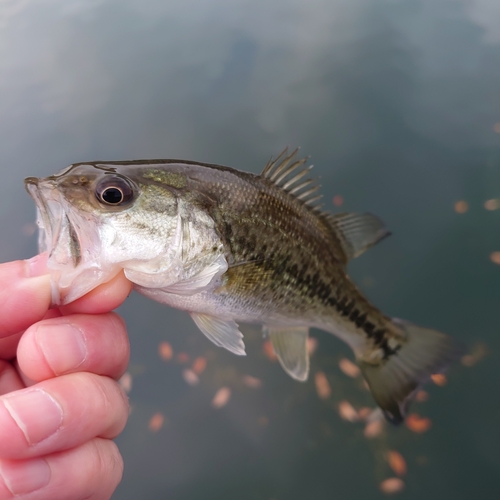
(79, 342)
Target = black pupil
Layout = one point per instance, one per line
(112, 195)
(114, 191)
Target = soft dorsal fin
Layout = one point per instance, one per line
(290, 345)
(279, 171)
(357, 231)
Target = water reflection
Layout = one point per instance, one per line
(398, 104)
(332, 414)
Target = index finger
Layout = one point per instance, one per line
(25, 295)
(24, 298)
(102, 299)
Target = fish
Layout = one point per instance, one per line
(233, 247)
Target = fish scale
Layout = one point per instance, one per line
(294, 277)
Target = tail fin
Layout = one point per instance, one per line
(395, 381)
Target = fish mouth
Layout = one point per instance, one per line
(53, 222)
(76, 258)
(57, 235)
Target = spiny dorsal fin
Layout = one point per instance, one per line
(279, 171)
(357, 232)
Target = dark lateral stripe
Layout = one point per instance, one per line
(347, 308)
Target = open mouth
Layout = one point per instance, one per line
(57, 235)
(72, 241)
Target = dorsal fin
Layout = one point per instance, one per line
(288, 173)
(357, 231)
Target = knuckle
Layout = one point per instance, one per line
(113, 403)
(108, 461)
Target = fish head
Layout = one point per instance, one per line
(96, 219)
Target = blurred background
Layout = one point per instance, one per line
(398, 104)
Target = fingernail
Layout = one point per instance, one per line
(26, 476)
(36, 266)
(36, 412)
(63, 346)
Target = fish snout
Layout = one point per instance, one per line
(31, 180)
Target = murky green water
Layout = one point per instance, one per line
(398, 102)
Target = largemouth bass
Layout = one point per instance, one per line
(229, 246)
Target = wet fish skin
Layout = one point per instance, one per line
(231, 246)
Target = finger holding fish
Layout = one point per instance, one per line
(79, 342)
(106, 297)
(24, 295)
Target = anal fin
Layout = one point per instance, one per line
(290, 345)
(223, 333)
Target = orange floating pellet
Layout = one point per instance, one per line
(199, 365)
(165, 351)
(396, 462)
(156, 422)
(323, 388)
(221, 397)
(439, 379)
(392, 485)
(418, 424)
(461, 207)
(347, 412)
(269, 351)
(349, 368)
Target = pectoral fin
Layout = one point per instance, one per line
(221, 332)
(290, 345)
(203, 280)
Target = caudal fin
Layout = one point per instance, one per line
(395, 381)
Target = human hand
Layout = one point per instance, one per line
(60, 404)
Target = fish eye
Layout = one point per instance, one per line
(115, 191)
